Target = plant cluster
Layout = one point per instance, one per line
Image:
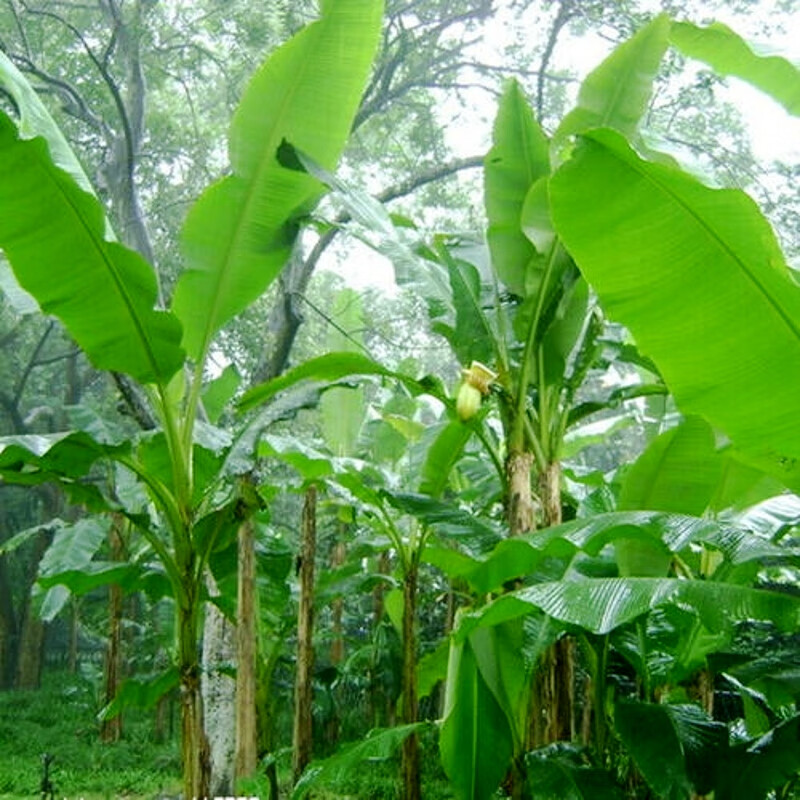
(593, 619)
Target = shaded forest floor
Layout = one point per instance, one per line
(61, 719)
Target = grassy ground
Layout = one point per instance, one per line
(61, 719)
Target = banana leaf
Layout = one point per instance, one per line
(239, 234)
(697, 276)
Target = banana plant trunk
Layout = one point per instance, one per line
(302, 728)
(521, 518)
(111, 729)
(246, 728)
(194, 745)
(410, 765)
(552, 718)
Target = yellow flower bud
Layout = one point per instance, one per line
(468, 401)
(477, 380)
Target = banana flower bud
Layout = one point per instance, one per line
(474, 386)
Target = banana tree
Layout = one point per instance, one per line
(407, 523)
(520, 317)
(637, 262)
(235, 240)
(624, 218)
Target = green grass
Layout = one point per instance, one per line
(60, 719)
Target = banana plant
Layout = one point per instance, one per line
(235, 240)
(539, 333)
(406, 522)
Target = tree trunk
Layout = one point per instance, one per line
(302, 729)
(31, 650)
(219, 695)
(8, 629)
(111, 729)
(194, 745)
(31, 639)
(553, 694)
(337, 606)
(410, 766)
(246, 728)
(521, 517)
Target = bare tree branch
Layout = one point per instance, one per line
(23, 379)
(135, 403)
(566, 12)
(72, 100)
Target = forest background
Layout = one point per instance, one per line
(144, 92)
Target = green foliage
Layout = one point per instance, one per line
(728, 54)
(476, 739)
(72, 550)
(617, 93)
(519, 156)
(343, 409)
(682, 265)
(140, 693)
(676, 261)
(219, 392)
(35, 120)
(563, 772)
(60, 719)
(239, 234)
(678, 471)
(380, 744)
(105, 292)
(328, 368)
(599, 605)
(681, 746)
(752, 769)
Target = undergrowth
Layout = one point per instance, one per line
(61, 719)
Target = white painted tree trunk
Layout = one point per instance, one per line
(219, 696)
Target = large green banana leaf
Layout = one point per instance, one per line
(379, 745)
(600, 605)
(73, 548)
(681, 746)
(663, 532)
(560, 772)
(617, 93)
(240, 232)
(35, 120)
(751, 769)
(519, 157)
(64, 458)
(728, 54)
(475, 742)
(678, 471)
(443, 454)
(344, 410)
(52, 233)
(697, 276)
(333, 367)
